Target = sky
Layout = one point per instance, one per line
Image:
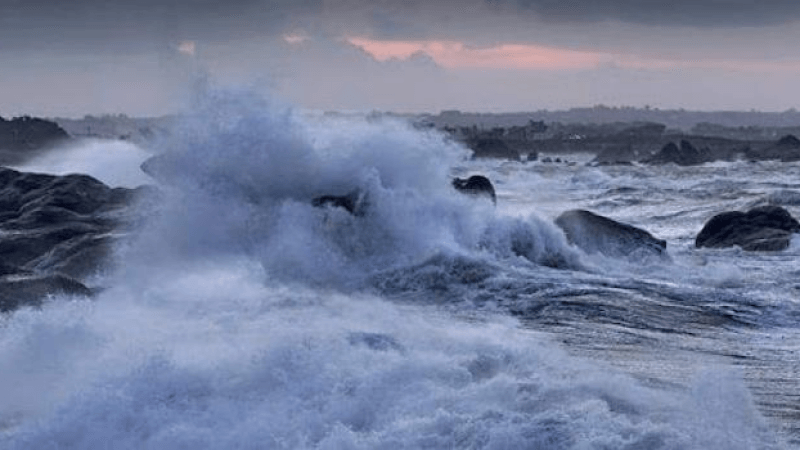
(143, 57)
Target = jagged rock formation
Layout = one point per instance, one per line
(22, 137)
(55, 231)
(475, 185)
(766, 228)
(593, 233)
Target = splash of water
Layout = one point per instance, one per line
(230, 323)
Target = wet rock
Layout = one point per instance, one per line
(685, 155)
(475, 185)
(597, 234)
(55, 232)
(766, 228)
(32, 289)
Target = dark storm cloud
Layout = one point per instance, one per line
(692, 13)
(121, 24)
(117, 25)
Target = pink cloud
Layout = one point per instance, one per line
(454, 54)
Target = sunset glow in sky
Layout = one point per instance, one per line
(140, 57)
(454, 55)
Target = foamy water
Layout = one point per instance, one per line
(243, 317)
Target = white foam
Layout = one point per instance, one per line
(217, 360)
(231, 322)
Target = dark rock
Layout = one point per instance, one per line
(787, 149)
(31, 290)
(25, 137)
(21, 247)
(766, 228)
(685, 155)
(78, 258)
(488, 147)
(475, 185)
(789, 141)
(55, 231)
(354, 202)
(597, 234)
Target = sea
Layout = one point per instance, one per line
(236, 315)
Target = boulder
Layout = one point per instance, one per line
(765, 228)
(787, 149)
(475, 185)
(685, 155)
(597, 234)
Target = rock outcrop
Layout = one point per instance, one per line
(22, 137)
(685, 155)
(594, 233)
(487, 147)
(766, 228)
(476, 185)
(55, 231)
(787, 149)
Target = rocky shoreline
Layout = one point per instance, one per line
(57, 233)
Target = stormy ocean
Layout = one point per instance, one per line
(239, 316)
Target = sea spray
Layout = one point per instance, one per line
(242, 174)
(239, 365)
(243, 317)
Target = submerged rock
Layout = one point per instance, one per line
(355, 202)
(766, 228)
(597, 234)
(475, 185)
